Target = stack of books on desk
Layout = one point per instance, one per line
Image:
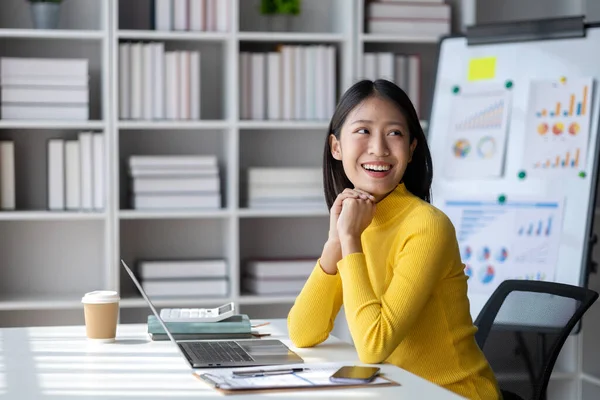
(175, 182)
(234, 327)
(285, 187)
(44, 88)
(277, 276)
(188, 278)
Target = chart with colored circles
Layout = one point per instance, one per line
(558, 126)
(477, 134)
(517, 239)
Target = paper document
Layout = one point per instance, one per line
(517, 239)
(317, 375)
(476, 141)
(557, 127)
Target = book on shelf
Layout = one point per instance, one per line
(177, 201)
(175, 182)
(280, 268)
(158, 172)
(416, 18)
(192, 15)
(155, 84)
(296, 82)
(284, 175)
(175, 269)
(173, 288)
(7, 175)
(277, 276)
(44, 88)
(76, 172)
(271, 286)
(285, 187)
(176, 185)
(402, 69)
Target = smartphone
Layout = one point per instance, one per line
(354, 374)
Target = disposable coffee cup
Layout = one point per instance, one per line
(101, 311)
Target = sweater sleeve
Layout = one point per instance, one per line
(421, 259)
(311, 318)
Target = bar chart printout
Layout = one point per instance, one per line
(476, 140)
(557, 127)
(516, 239)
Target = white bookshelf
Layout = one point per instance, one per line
(49, 259)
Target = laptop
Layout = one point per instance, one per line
(225, 353)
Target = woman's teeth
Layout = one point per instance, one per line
(376, 167)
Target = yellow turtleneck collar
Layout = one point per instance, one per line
(390, 205)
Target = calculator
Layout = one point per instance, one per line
(197, 314)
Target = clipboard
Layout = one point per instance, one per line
(316, 378)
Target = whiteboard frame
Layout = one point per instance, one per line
(583, 237)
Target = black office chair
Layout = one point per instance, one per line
(545, 309)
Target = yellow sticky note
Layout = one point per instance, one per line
(482, 68)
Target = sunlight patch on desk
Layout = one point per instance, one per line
(110, 363)
(66, 346)
(70, 332)
(104, 381)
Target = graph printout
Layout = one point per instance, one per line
(557, 127)
(476, 140)
(517, 239)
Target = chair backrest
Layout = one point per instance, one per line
(547, 308)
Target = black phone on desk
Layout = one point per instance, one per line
(354, 374)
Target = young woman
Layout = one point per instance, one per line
(391, 258)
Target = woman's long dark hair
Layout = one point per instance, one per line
(418, 175)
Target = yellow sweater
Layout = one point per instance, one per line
(405, 299)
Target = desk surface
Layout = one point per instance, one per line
(59, 363)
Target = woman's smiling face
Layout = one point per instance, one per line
(374, 146)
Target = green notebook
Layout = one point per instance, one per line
(202, 336)
(239, 323)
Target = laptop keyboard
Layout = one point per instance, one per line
(215, 352)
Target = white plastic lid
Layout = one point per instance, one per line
(100, 297)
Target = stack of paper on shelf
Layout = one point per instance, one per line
(281, 276)
(402, 69)
(7, 175)
(293, 83)
(426, 19)
(285, 187)
(44, 88)
(184, 278)
(235, 327)
(155, 84)
(76, 173)
(175, 182)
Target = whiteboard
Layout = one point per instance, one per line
(519, 63)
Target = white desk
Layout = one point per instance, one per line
(59, 363)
